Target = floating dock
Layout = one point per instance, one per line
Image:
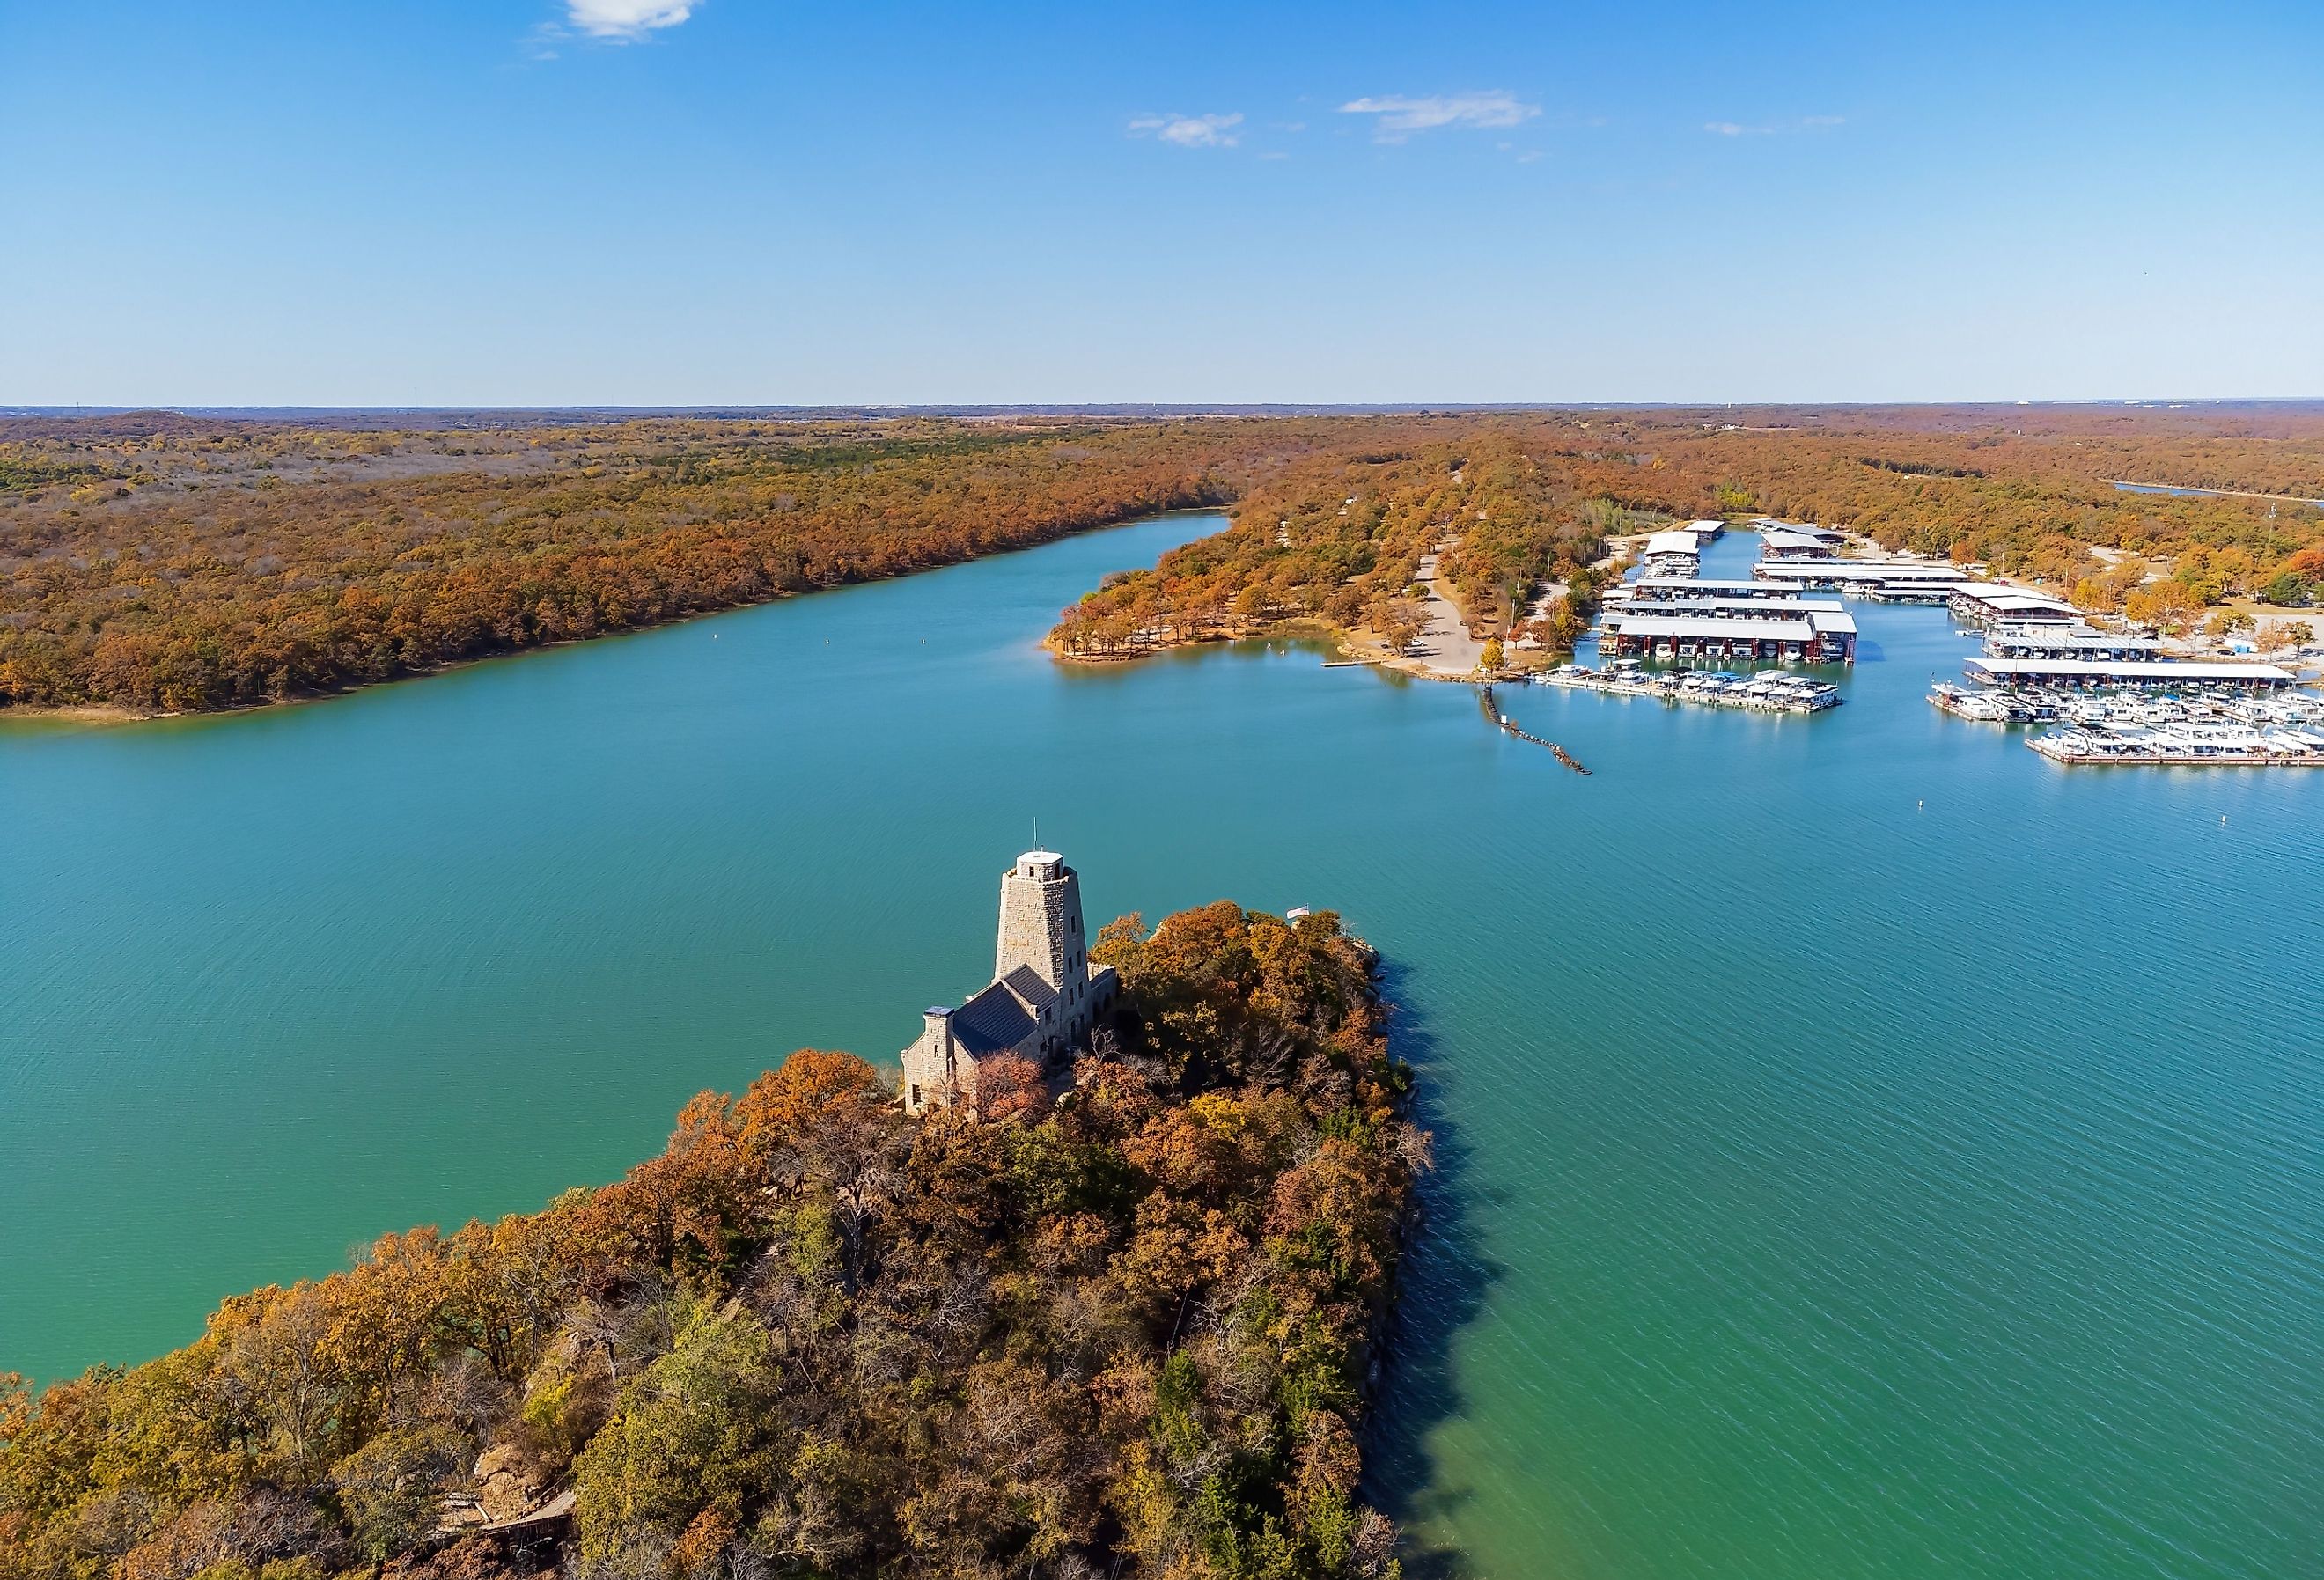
(1986, 707)
(2143, 727)
(2120, 674)
(1707, 687)
(2188, 746)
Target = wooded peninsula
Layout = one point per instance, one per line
(158, 562)
(1124, 1330)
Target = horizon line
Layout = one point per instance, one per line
(1129, 407)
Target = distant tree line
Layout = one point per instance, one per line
(214, 571)
(162, 562)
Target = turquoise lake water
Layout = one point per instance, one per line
(1867, 1149)
(2167, 488)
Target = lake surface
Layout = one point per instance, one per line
(1867, 1150)
(2230, 492)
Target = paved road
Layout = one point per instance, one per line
(1446, 646)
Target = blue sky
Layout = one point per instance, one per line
(648, 201)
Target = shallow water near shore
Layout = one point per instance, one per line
(1868, 1149)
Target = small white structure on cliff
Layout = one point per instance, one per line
(1042, 1003)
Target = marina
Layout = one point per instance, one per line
(2190, 744)
(2214, 725)
(2092, 696)
(1767, 693)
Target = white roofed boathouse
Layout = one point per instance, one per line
(1814, 634)
(2191, 674)
(1676, 552)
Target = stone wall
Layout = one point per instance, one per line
(1040, 911)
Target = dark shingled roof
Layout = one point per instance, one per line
(1030, 990)
(993, 1022)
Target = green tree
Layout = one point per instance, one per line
(694, 1433)
(391, 1489)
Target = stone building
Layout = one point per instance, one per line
(1042, 1003)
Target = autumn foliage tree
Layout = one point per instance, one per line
(1123, 1330)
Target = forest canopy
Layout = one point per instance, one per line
(1122, 1330)
(1520, 506)
(159, 562)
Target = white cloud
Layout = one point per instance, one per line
(1400, 116)
(626, 19)
(1190, 131)
(1803, 123)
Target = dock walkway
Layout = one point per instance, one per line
(1778, 693)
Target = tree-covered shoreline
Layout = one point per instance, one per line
(1520, 507)
(157, 562)
(1118, 1326)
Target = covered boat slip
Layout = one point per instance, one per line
(2147, 673)
(1811, 636)
(1791, 543)
(1656, 589)
(1766, 606)
(1992, 604)
(1855, 575)
(2052, 640)
(1674, 553)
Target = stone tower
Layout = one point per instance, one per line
(1043, 1000)
(1041, 923)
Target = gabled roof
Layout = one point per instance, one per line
(1031, 991)
(1798, 629)
(993, 1022)
(1778, 540)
